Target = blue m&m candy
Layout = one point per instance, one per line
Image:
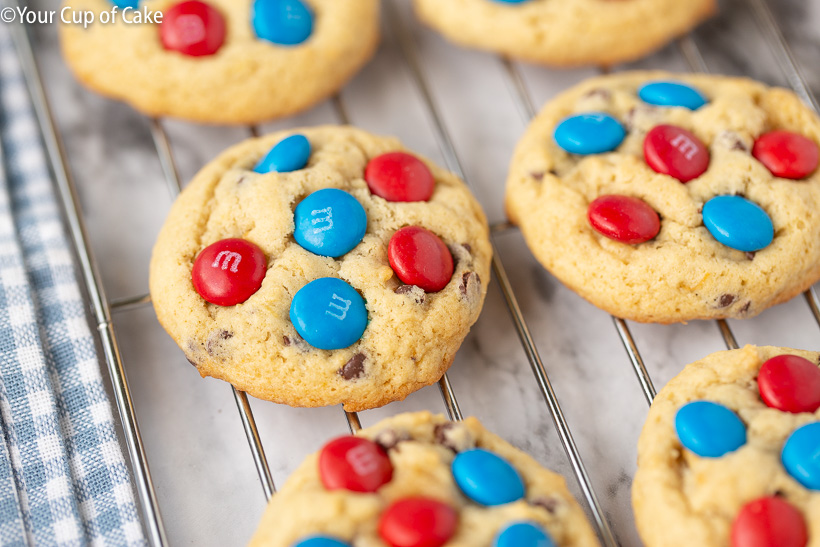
(486, 478)
(709, 430)
(329, 222)
(672, 94)
(511, 1)
(283, 22)
(738, 223)
(289, 154)
(320, 541)
(122, 4)
(328, 313)
(523, 534)
(801, 455)
(591, 133)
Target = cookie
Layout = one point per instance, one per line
(564, 33)
(322, 266)
(417, 479)
(220, 61)
(665, 198)
(728, 455)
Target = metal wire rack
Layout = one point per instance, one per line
(102, 308)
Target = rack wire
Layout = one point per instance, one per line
(102, 308)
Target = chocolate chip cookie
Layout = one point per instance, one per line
(668, 197)
(417, 479)
(322, 266)
(565, 32)
(728, 455)
(221, 61)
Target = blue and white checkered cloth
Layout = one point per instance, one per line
(63, 479)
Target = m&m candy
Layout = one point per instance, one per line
(283, 22)
(329, 222)
(229, 271)
(419, 257)
(418, 522)
(398, 176)
(624, 218)
(320, 541)
(801, 455)
(290, 154)
(328, 313)
(591, 133)
(122, 4)
(192, 28)
(487, 478)
(738, 223)
(769, 522)
(708, 429)
(355, 464)
(787, 154)
(672, 94)
(674, 151)
(523, 534)
(790, 383)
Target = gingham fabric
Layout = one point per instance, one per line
(63, 479)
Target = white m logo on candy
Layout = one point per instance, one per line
(229, 256)
(685, 146)
(362, 460)
(327, 219)
(342, 309)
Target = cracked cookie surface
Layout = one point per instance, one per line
(411, 337)
(421, 448)
(248, 80)
(681, 498)
(565, 32)
(683, 273)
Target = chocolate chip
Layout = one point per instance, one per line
(726, 300)
(468, 247)
(549, 504)
(416, 292)
(390, 438)
(214, 344)
(779, 494)
(745, 307)
(286, 340)
(737, 145)
(354, 368)
(629, 119)
(538, 175)
(465, 281)
(441, 433)
(750, 255)
(599, 92)
(241, 179)
(191, 361)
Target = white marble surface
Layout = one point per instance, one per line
(207, 484)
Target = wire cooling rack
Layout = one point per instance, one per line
(399, 27)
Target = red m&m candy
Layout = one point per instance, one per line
(419, 257)
(193, 28)
(418, 522)
(624, 218)
(790, 383)
(787, 154)
(769, 522)
(674, 151)
(398, 176)
(355, 464)
(229, 271)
